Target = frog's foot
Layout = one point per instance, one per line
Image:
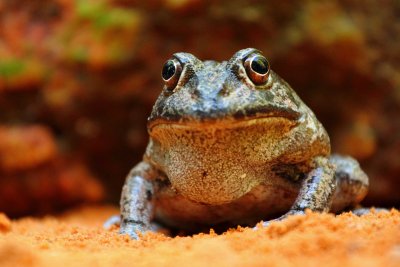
(281, 218)
(113, 220)
(363, 211)
(129, 227)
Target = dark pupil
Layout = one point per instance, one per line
(168, 70)
(260, 65)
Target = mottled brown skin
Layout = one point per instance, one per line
(226, 151)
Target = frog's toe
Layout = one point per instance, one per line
(281, 218)
(113, 220)
(364, 211)
(132, 230)
(265, 224)
(261, 225)
(133, 233)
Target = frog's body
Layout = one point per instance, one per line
(232, 143)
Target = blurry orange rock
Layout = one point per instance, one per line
(35, 178)
(5, 223)
(52, 187)
(24, 147)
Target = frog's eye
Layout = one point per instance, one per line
(257, 68)
(171, 72)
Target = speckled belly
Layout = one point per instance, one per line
(261, 203)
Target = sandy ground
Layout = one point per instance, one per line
(78, 239)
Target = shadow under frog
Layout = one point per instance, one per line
(232, 144)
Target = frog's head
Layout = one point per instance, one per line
(243, 88)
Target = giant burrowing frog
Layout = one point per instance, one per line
(231, 144)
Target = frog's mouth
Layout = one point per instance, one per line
(239, 119)
(224, 124)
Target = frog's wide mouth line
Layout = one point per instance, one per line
(223, 124)
(226, 119)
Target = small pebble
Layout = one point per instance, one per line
(5, 223)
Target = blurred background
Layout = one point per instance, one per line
(78, 79)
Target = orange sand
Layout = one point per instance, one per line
(78, 239)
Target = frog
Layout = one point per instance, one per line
(231, 143)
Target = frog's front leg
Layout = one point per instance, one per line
(136, 200)
(317, 189)
(334, 184)
(316, 192)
